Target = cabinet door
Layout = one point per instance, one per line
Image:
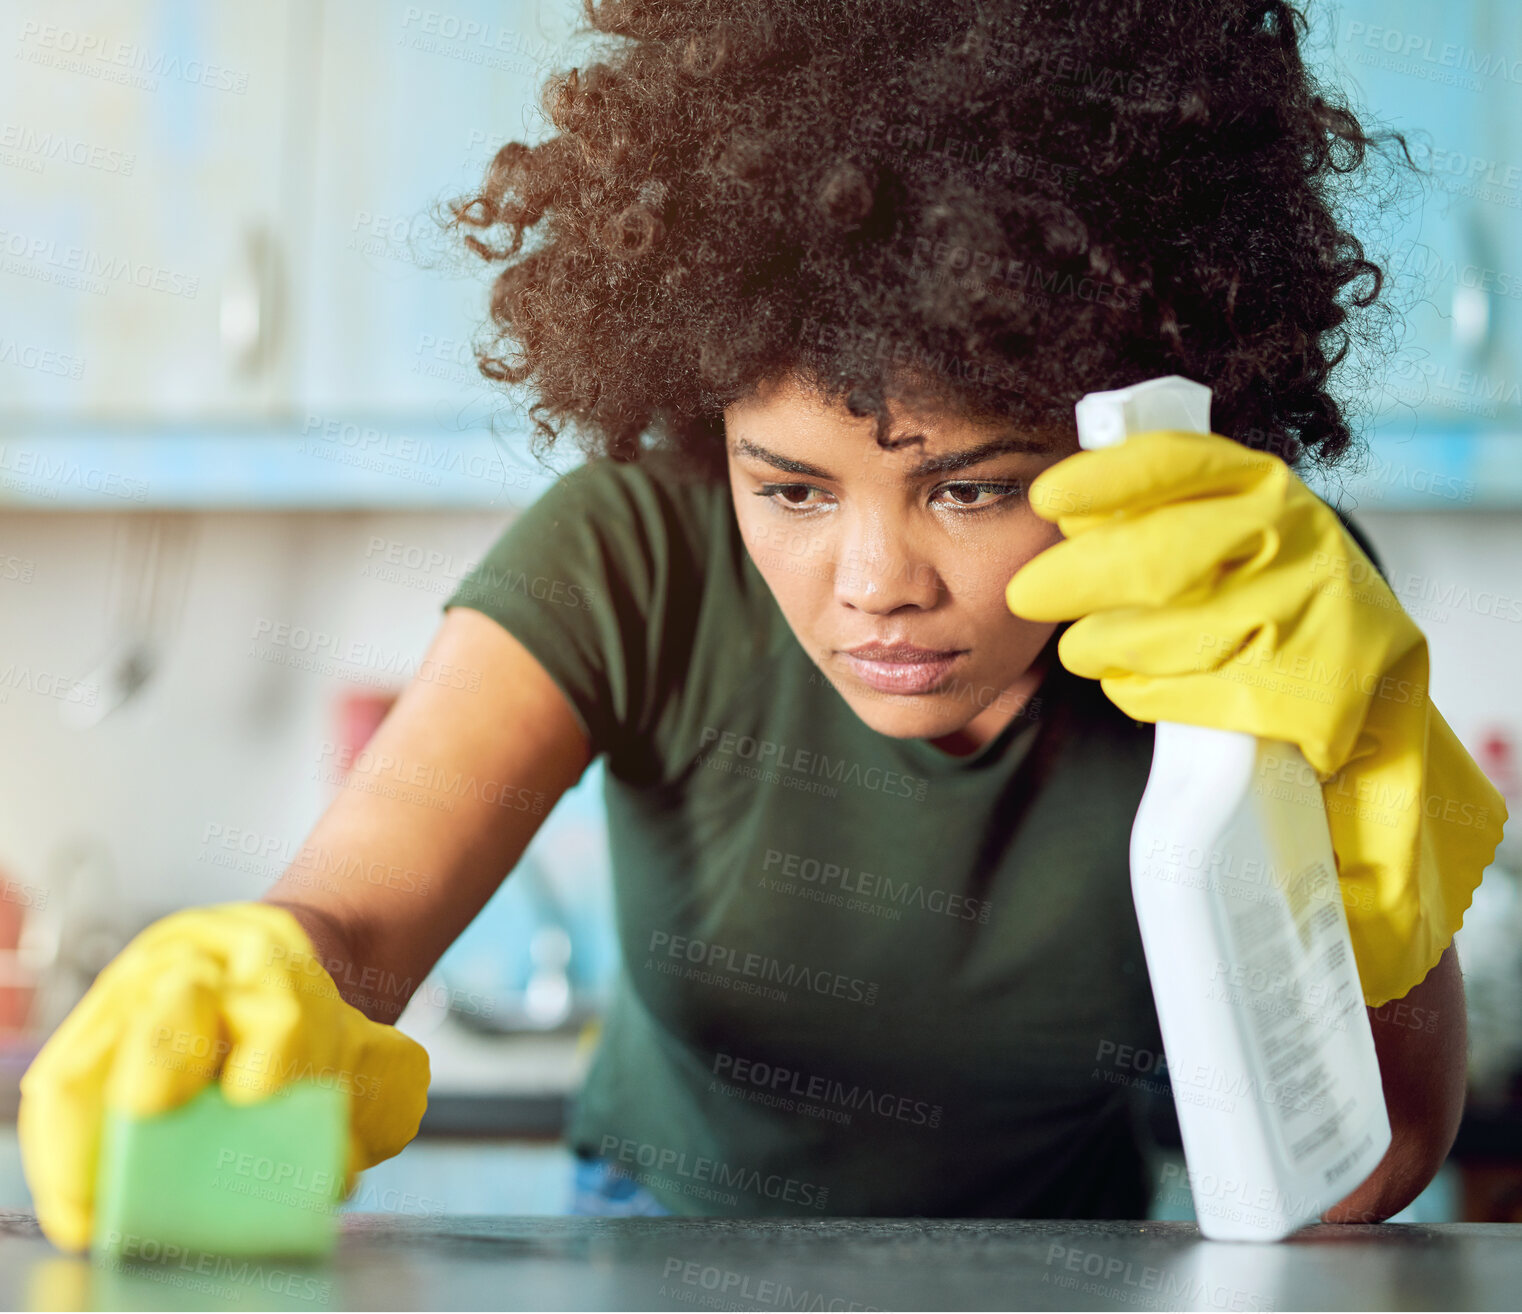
(144, 180)
(414, 102)
(1451, 76)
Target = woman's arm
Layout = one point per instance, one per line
(1422, 1043)
(437, 810)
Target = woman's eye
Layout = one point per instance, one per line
(792, 498)
(966, 495)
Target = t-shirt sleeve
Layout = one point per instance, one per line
(585, 578)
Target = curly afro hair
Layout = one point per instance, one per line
(989, 205)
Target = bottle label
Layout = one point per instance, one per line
(1293, 976)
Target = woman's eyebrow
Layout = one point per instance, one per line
(941, 464)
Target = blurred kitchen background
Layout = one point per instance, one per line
(245, 455)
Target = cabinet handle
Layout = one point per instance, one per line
(248, 316)
(1472, 305)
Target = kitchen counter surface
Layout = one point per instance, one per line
(388, 1261)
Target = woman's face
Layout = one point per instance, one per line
(907, 549)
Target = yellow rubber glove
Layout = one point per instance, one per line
(1210, 586)
(234, 993)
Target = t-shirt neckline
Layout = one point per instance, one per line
(1021, 727)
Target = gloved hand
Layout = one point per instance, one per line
(1210, 586)
(232, 993)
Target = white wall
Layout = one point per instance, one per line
(222, 735)
(1459, 574)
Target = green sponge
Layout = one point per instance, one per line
(214, 1177)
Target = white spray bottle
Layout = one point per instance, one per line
(1268, 1046)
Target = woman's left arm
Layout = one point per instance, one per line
(1422, 1043)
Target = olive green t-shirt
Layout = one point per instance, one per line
(860, 976)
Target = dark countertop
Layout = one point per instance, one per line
(394, 1262)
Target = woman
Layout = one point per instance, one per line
(817, 285)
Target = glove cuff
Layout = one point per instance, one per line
(1412, 847)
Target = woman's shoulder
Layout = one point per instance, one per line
(654, 511)
(657, 471)
(664, 610)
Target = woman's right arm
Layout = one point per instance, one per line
(433, 814)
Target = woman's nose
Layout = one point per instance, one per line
(877, 572)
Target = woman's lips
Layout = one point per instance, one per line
(915, 676)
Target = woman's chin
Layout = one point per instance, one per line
(904, 716)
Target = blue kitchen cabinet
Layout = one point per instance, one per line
(227, 213)
(283, 323)
(1450, 77)
(412, 103)
(146, 193)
